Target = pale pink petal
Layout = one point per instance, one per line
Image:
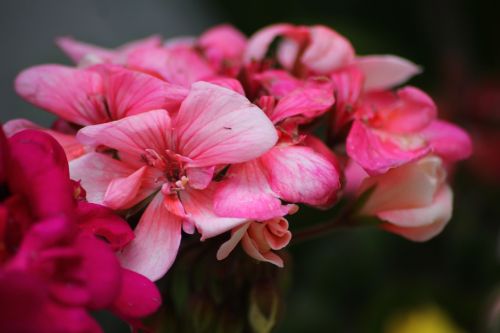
(308, 102)
(327, 50)
(132, 135)
(410, 186)
(143, 43)
(122, 192)
(228, 246)
(72, 147)
(276, 233)
(448, 141)
(378, 152)
(218, 126)
(199, 207)
(354, 175)
(299, 174)
(424, 223)
(72, 94)
(96, 171)
(245, 193)
(77, 50)
(130, 92)
(156, 242)
(251, 248)
(200, 178)
(385, 71)
(259, 43)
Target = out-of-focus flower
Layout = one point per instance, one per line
(175, 159)
(412, 200)
(53, 268)
(429, 319)
(259, 240)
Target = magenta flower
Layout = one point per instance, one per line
(53, 268)
(173, 159)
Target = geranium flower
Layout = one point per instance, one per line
(173, 159)
(53, 268)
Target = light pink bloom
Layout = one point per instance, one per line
(259, 240)
(87, 54)
(91, 96)
(175, 158)
(412, 200)
(392, 129)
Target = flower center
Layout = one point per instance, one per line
(172, 167)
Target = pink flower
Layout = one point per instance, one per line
(391, 130)
(53, 269)
(412, 200)
(91, 96)
(259, 240)
(173, 159)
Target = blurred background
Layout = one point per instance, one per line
(360, 280)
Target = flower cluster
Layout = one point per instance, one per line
(220, 133)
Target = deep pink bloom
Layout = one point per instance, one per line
(53, 268)
(392, 129)
(259, 240)
(176, 158)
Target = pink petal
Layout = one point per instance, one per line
(259, 43)
(278, 83)
(131, 135)
(71, 146)
(246, 193)
(77, 50)
(130, 93)
(318, 181)
(102, 270)
(139, 297)
(308, 102)
(410, 186)
(228, 246)
(157, 240)
(424, 223)
(377, 153)
(448, 141)
(96, 171)
(228, 83)
(199, 206)
(327, 51)
(251, 248)
(200, 178)
(122, 192)
(223, 46)
(103, 222)
(218, 126)
(72, 94)
(385, 71)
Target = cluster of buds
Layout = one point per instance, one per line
(227, 134)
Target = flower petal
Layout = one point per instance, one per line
(385, 71)
(327, 50)
(72, 94)
(245, 193)
(259, 43)
(157, 240)
(424, 223)
(251, 248)
(448, 141)
(199, 207)
(228, 246)
(377, 153)
(218, 126)
(318, 182)
(122, 192)
(131, 135)
(130, 92)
